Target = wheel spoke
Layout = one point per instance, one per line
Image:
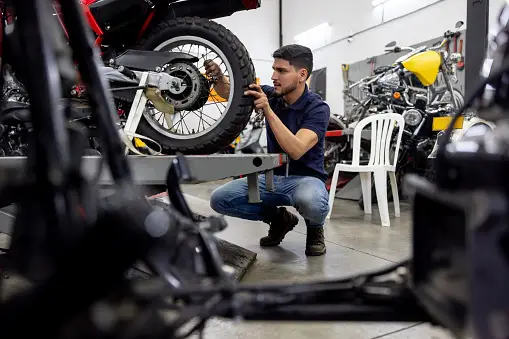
(184, 121)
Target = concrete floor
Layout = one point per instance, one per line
(355, 243)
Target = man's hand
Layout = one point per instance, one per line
(212, 69)
(261, 100)
(222, 85)
(295, 145)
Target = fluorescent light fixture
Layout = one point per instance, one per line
(317, 30)
(378, 2)
(315, 37)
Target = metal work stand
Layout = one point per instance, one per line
(152, 170)
(139, 103)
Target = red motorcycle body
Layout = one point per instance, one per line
(111, 19)
(121, 24)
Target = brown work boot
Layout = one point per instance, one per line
(315, 241)
(282, 223)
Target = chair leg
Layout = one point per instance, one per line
(395, 194)
(381, 194)
(332, 191)
(366, 191)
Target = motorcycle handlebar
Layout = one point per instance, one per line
(447, 37)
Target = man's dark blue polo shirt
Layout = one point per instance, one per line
(309, 112)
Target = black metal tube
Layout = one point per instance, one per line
(101, 100)
(410, 313)
(177, 200)
(50, 159)
(127, 88)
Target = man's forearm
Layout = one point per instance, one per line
(288, 141)
(222, 86)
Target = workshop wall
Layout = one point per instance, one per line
(358, 31)
(259, 32)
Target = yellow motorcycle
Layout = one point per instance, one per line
(417, 81)
(416, 85)
(427, 71)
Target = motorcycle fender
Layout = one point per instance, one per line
(459, 133)
(471, 122)
(151, 60)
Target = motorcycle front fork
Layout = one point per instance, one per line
(450, 88)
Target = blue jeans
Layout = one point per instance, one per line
(307, 194)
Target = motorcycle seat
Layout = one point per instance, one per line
(15, 112)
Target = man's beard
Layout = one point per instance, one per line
(286, 91)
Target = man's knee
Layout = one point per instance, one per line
(311, 200)
(218, 199)
(222, 197)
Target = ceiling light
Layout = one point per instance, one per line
(378, 2)
(315, 37)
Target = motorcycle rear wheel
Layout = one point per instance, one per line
(240, 107)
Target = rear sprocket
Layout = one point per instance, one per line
(194, 90)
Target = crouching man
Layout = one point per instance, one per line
(297, 120)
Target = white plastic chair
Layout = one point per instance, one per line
(380, 163)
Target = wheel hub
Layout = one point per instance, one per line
(191, 92)
(178, 87)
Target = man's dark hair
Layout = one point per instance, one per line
(297, 55)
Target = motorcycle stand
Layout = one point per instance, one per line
(137, 108)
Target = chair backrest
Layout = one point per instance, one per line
(382, 128)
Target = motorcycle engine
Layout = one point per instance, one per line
(12, 89)
(390, 81)
(13, 134)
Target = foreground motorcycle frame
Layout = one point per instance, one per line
(63, 220)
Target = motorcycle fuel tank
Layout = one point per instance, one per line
(111, 15)
(425, 66)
